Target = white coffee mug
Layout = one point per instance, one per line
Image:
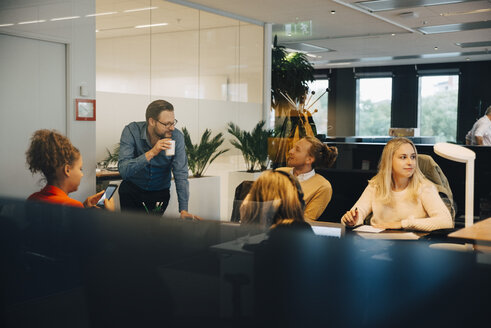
(172, 150)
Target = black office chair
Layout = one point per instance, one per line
(240, 194)
(434, 173)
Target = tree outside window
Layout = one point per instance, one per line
(438, 100)
(373, 106)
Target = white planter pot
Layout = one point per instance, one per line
(234, 179)
(204, 198)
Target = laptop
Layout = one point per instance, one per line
(329, 229)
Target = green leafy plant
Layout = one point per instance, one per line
(253, 145)
(112, 157)
(203, 154)
(290, 75)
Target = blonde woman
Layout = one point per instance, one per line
(399, 196)
(306, 155)
(275, 199)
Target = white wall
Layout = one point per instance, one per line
(35, 68)
(79, 36)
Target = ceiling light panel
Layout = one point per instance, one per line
(305, 47)
(454, 27)
(474, 44)
(383, 5)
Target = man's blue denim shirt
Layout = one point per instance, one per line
(156, 173)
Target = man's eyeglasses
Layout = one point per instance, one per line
(168, 125)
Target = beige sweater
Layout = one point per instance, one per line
(317, 193)
(426, 214)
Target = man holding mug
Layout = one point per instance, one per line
(148, 152)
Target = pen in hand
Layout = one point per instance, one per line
(354, 217)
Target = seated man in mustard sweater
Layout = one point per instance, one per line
(307, 154)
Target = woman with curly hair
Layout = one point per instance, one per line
(54, 156)
(399, 196)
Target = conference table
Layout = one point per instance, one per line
(478, 234)
(103, 176)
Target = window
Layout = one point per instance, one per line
(373, 106)
(319, 117)
(437, 106)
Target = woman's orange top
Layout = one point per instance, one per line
(54, 195)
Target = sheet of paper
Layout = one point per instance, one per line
(391, 236)
(368, 228)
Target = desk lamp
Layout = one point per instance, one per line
(461, 154)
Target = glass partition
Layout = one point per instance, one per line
(210, 67)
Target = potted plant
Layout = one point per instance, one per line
(290, 75)
(203, 154)
(199, 157)
(111, 160)
(253, 145)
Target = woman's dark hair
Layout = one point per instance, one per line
(156, 107)
(324, 156)
(48, 151)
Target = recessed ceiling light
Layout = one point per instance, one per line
(393, 34)
(455, 27)
(477, 11)
(139, 9)
(436, 48)
(333, 12)
(151, 25)
(473, 44)
(64, 18)
(383, 5)
(102, 14)
(32, 22)
(339, 64)
(467, 58)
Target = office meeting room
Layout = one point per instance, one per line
(209, 163)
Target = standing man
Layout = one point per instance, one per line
(145, 167)
(480, 134)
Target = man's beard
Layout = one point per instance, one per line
(167, 134)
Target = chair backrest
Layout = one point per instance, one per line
(240, 194)
(434, 173)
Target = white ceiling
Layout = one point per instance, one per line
(355, 36)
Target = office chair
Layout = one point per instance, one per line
(240, 194)
(434, 173)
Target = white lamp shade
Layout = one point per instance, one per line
(454, 152)
(461, 154)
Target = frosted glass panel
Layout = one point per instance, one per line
(37, 69)
(208, 66)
